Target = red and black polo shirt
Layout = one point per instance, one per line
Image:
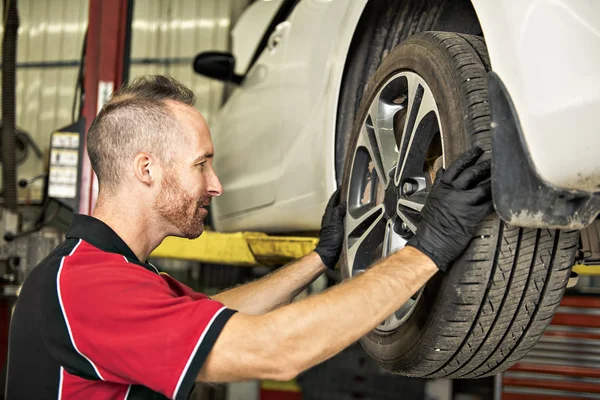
(93, 322)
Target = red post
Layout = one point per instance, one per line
(104, 64)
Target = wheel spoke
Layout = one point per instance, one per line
(409, 217)
(365, 239)
(359, 226)
(387, 238)
(381, 117)
(416, 202)
(419, 129)
(408, 209)
(392, 242)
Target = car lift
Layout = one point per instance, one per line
(107, 61)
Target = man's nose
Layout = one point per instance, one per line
(214, 185)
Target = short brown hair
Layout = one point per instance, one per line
(135, 118)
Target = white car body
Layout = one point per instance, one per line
(274, 137)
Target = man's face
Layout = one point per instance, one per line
(189, 184)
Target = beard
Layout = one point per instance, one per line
(182, 210)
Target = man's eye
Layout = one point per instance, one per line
(202, 164)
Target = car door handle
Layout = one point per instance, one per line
(274, 40)
(277, 35)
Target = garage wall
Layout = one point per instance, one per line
(49, 48)
(167, 34)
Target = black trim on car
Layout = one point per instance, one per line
(521, 196)
(282, 14)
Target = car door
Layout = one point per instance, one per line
(247, 128)
(313, 60)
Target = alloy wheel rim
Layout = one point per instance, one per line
(398, 151)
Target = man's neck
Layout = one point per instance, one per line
(132, 225)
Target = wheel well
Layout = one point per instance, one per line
(382, 26)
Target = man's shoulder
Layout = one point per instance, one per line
(82, 277)
(77, 261)
(89, 263)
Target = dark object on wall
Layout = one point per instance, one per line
(64, 164)
(23, 142)
(9, 57)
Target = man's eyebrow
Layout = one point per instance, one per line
(207, 155)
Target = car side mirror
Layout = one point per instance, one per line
(217, 65)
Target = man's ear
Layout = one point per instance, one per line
(143, 164)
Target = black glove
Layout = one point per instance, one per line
(331, 236)
(460, 199)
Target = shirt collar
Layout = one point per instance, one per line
(99, 235)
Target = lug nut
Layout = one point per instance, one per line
(409, 188)
(401, 227)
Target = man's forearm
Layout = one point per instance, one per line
(275, 289)
(293, 338)
(364, 301)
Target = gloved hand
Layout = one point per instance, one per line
(331, 236)
(460, 199)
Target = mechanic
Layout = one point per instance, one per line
(95, 320)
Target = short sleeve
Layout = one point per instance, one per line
(132, 328)
(181, 289)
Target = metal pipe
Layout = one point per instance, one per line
(8, 137)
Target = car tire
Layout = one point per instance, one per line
(495, 302)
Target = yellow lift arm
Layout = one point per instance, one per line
(238, 248)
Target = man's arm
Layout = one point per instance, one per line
(275, 289)
(284, 342)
